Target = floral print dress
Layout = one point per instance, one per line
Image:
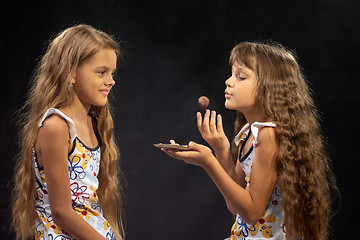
(83, 163)
(271, 224)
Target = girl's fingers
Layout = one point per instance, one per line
(175, 154)
(205, 123)
(168, 152)
(219, 123)
(213, 122)
(199, 121)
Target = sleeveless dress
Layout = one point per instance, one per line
(83, 163)
(271, 223)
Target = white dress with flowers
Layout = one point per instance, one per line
(271, 224)
(83, 163)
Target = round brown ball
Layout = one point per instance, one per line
(203, 102)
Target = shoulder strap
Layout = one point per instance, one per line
(69, 121)
(256, 126)
(238, 136)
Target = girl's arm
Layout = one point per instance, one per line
(211, 129)
(249, 204)
(53, 139)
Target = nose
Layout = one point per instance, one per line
(229, 82)
(110, 82)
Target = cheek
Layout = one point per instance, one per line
(252, 95)
(246, 95)
(88, 82)
(249, 90)
(85, 86)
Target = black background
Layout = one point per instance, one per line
(176, 51)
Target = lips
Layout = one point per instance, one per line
(227, 94)
(104, 91)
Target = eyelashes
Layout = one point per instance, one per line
(102, 73)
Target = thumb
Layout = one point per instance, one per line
(193, 145)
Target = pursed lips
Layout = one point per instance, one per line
(227, 94)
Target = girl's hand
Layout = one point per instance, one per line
(211, 129)
(199, 155)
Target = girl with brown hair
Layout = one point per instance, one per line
(276, 179)
(63, 188)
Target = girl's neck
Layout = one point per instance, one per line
(255, 117)
(77, 110)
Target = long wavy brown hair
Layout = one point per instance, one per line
(50, 89)
(302, 163)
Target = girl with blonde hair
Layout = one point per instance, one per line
(67, 173)
(278, 186)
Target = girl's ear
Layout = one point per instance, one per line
(71, 81)
(73, 78)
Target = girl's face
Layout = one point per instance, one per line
(241, 89)
(94, 78)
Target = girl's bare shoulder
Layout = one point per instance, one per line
(267, 135)
(266, 146)
(54, 126)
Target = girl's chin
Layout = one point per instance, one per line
(229, 106)
(99, 104)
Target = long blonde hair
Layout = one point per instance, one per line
(302, 164)
(50, 89)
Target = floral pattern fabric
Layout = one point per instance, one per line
(83, 164)
(271, 224)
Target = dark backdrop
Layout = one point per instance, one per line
(175, 52)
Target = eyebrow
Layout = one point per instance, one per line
(244, 69)
(105, 67)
